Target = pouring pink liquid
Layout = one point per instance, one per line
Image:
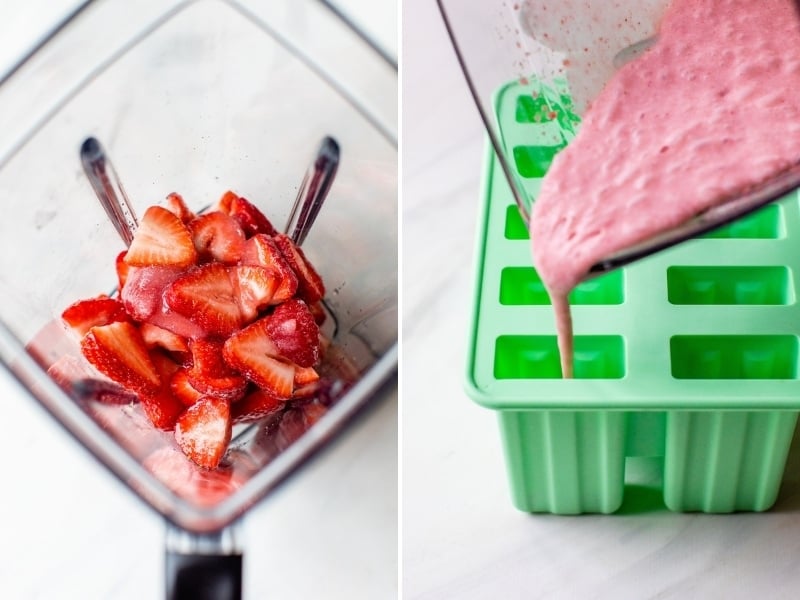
(710, 110)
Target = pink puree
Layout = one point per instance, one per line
(712, 108)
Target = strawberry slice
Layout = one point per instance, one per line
(144, 289)
(203, 431)
(122, 270)
(251, 219)
(161, 239)
(210, 374)
(310, 287)
(306, 392)
(153, 336)
(82, 315)
(257, 405)
(176, 205)
(206, 296)
(305, 375)
(307, 383)
(163, 408)
(262, 250)
(184, 327)
(216, 236)
(295, 333)
(118, 351)
(182, 388)
(255, 287)
(251, 352)
(224, 203)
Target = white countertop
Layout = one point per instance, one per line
(73, 531)
(462, 538)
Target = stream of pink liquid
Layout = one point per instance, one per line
(712, 108)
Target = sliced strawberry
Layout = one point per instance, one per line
(163, 408)
(144, 289)
(262, 250)
(207, 297)
(118, 351)
(257, 405)
(306, 383)
(307, 391)
(224, 204)
(203, 431)
(122, 270)
(216, 236)
(251, 352)
(255, 286)
(153, 335)
(211, 375)
(207, 356)
(161, 239)
(310, 287)
(82, 315)
(176, 205)
(292, 329)
(168, 319)
(305, 375)
(251, 219)
(182, 388)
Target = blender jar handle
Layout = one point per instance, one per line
(205, 566)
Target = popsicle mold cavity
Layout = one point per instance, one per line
(515, 229)
(734, 356)
(533, 161)
(729, 285)
(536, 357)
(522, 285)
(766, 223)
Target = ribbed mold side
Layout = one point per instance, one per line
(564, 462)
(725, 461)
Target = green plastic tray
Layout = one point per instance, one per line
(689, 357)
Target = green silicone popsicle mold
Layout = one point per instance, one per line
(689, 357)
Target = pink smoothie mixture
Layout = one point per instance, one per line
(712, 108)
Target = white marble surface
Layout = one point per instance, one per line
(70, 530)
(461, 536)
